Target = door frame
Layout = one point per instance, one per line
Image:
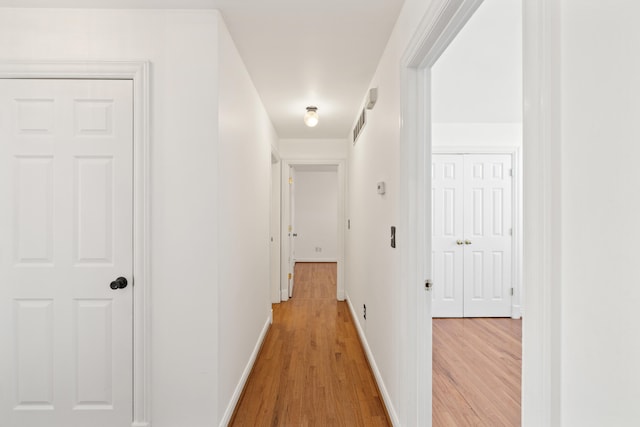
(541, 355)
(285, 211)
(275, 217)
(138, 73)
(516, 212)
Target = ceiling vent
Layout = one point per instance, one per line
(362, 120)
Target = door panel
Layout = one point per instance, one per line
(447, 231)
(487, 277)
(66, 195)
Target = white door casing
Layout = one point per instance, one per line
(67, 181)
(292, 230)
(472, 235)
(274, 245)
(287, 206)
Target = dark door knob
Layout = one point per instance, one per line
(119, 283)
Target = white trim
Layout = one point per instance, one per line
(516, 242)
(516, 311)
(228, 413)
(284, 294)
(542, 325)
(138, 72)
(285, 212)
(454, 149)
(275, 247)
(441, 23)
(316, 260)
(374, 367)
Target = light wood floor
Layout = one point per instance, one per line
(477, 366)
(311, 370)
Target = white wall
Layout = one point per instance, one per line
(600, 331)
(313, 148)
(477, 81)
(244, 228)
(316, 214)
(189, 292)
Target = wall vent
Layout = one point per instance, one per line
(362, 120)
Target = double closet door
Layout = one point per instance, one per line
(472, 235)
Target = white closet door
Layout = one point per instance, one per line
(66, 194)
(448, 234)
(471, 229)
(487, 229)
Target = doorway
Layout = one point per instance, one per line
(476, 105)
(310, 232)
(134, 73)
(432, 38)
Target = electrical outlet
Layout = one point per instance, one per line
(364, 311)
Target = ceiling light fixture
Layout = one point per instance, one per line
(311, 116)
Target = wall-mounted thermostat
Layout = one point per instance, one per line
(381, 189)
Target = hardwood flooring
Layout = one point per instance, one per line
(311, 370)
(477, 367)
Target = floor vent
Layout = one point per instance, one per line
(359, 125)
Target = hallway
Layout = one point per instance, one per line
(311, 369)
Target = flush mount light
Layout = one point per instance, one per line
(311, 116)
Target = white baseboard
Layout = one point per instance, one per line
(316, 260)
(245, 375)
(374, 367)
(516, 312)
(284, 294)
(141, 424)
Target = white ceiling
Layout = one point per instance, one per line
(298, 52)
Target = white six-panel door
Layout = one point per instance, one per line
(66, 206)
(472, 242)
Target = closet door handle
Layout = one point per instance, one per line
(467, 242)
(459, 242)
(119, 283)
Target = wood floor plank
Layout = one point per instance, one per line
(476, 372)
(311, 370)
